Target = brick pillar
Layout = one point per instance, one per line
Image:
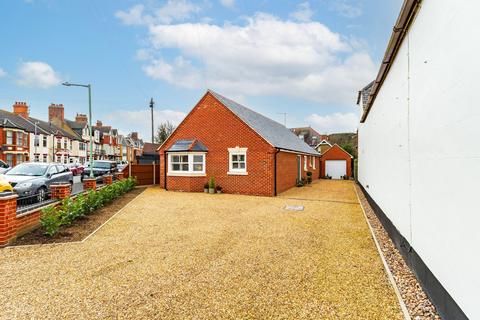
(89, 184)
(60, 191)
(108, 179)
(8, 219)
(119, 175)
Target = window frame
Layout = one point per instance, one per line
(9, 137)
(305, 163)
(190, 172)
(237, 151)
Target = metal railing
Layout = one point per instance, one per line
(32, 202)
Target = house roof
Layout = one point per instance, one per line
(273, 132)
(187, 145)
(7, 123)
(324, 142)
(53, 129)
(75, 125)
(150, 148)
(18, 120)
(364, 94)
(336, 146)
(404, 20)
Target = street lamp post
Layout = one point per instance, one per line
(89, 87)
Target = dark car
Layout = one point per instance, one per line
(100, 168)
(32, 180)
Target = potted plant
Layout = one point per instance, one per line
(205, 187)
(309, 177)
(211, 185)
(219, 189)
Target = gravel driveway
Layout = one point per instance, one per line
(176, 255)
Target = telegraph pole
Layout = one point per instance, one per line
(151, 110)
(284, 118)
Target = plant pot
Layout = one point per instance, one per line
(205, 190)
(211, 190)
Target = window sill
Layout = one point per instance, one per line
(233, 173)
(186, 174)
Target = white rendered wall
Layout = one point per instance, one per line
(420, 161)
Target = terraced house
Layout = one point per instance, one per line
(24, 138)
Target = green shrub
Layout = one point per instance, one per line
(211, 184)
(52, 218)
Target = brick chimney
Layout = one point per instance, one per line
(99, 123)
(56, 111)
(21, 108)
(82, 118)
(134, 135)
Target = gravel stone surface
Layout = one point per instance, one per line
(171, 255)
(416, 300)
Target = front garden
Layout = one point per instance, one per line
(74, 218)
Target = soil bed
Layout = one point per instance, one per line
(82, 227)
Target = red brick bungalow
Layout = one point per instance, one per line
(244, 151)
(336, 162)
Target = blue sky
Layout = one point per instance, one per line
(306, 58)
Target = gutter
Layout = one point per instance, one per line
(404, 20)
(275, 172)
(165, 170)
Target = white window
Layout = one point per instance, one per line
(37, 158)
(186, 164)
(237, 161)
(9, 137)
(314, 161)
(311, 161)
(45, 158)
(305, 163)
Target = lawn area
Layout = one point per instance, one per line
(174, 255)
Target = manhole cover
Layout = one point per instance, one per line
(294, 208)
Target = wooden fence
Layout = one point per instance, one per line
(146, 174)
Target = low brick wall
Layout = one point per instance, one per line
(13, 225)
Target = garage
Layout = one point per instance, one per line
(336, 168)
(336, 163)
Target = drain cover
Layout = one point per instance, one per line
(294, 208)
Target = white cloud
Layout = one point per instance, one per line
(38, 75)
(304, 13)
(264, 56)
(227, 3)
(139, 120)
(345, 9)
(3, 73)
(172, 10)
(336, 122)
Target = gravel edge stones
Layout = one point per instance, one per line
(416, 300)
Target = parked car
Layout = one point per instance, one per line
(33, 179)
(4, 167)
(100, 168)
(76, 168)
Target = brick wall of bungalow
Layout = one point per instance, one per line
(219, 129)
(287, 173)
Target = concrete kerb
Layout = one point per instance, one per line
(403, 307)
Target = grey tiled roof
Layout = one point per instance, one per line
(272, 131)
(366, 93)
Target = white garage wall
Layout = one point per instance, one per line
(440, 182)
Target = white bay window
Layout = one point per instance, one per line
(186, 164)
(237, 163)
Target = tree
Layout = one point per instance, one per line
(164, 130)
(349, 149)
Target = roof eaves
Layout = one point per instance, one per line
(404, 20)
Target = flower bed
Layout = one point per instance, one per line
(54, 217)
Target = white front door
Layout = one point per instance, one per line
(336, 168)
